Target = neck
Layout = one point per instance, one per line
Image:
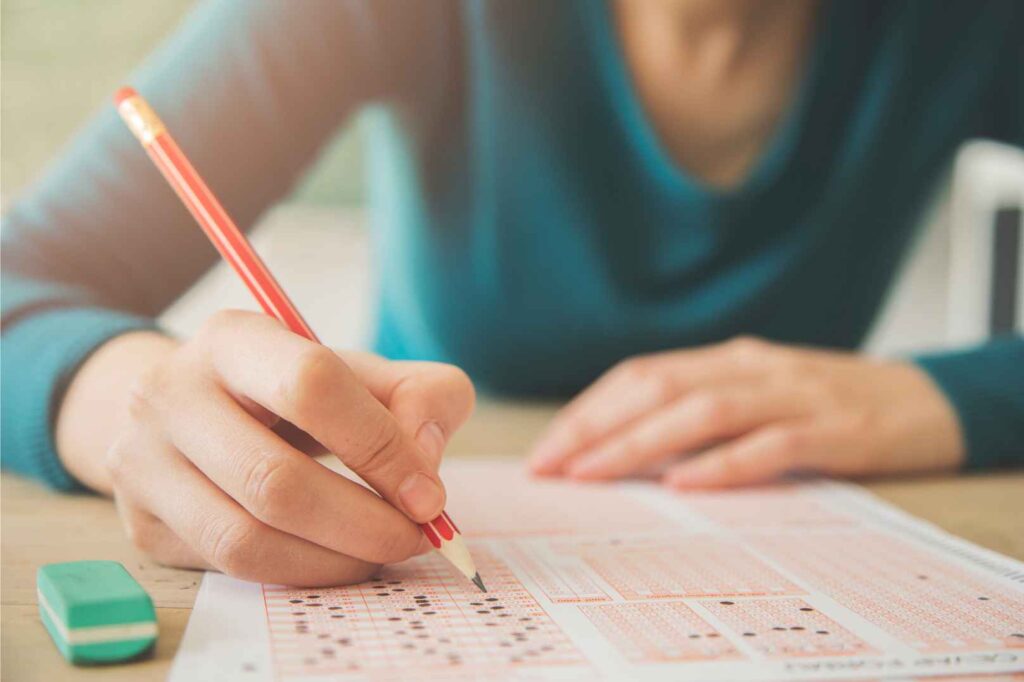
(716, 35)
(700, 15)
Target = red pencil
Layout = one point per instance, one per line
(238, 252)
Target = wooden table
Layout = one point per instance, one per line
(40, 527)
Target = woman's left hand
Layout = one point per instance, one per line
(748, 411)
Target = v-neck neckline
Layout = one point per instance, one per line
(773, 154)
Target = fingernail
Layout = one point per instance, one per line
(422, 497)
(431, 439)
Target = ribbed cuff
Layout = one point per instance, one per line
(986, 388)
(40, 355)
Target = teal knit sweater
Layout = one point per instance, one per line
(528, 224)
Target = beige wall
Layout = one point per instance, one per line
(61, 59)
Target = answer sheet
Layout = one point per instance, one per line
(816, 580)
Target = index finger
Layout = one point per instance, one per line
(284, 488)
(631, 390)
(310, 386)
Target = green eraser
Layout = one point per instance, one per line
(95, 611)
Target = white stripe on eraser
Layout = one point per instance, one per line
(97, 634)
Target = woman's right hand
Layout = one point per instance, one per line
(201, 478)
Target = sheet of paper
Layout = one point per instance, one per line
(628, 581)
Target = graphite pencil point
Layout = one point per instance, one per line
(479, 583)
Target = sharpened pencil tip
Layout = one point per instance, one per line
(479, 583)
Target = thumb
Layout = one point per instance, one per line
(429, 400)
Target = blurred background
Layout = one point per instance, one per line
(72, 54)
(43, 43)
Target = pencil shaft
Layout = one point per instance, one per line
(232, 244)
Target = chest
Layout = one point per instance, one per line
(714, 96)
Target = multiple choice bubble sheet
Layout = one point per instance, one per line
(815, 580)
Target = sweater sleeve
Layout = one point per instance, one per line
(251, 90)
(986, 388)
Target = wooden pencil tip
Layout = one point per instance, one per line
(478, 582)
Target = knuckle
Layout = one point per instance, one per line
(794, 366)
(715, 411)
(817, 392)
(142, 536)
(447, 382)
(579, 431)
(115, 461)
(642, 375)
(381, 448)
(392, 547)
(461, 385)
(633, 369)
(223, 319)
(409, 384)
(131, 530)
(144, 394)
(260, 413)
(746, 343)
(575, 429)
(139, 529)
(217, 330)
(783, 444)
(230, 546)
(747, 348)
(313, 372)
(267, 489)
(657, 386)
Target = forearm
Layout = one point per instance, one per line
(100, 245)
(94, 409)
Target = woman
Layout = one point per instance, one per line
(559, 189)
